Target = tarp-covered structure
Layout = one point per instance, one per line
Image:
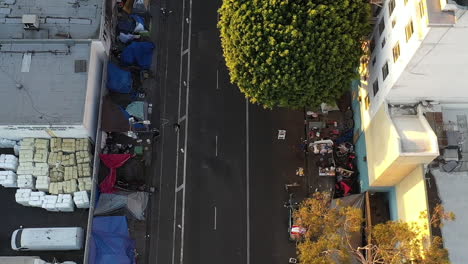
(138, 54)
(357, 201)
(118, 80)
(110, 241)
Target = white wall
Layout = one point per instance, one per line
(439, 69)
(402, 14)
(93, 92)
(22, 131)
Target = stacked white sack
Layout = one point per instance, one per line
(8, 179)
(26, 182)
(36, 199)
(22, 196)
(9, 162)
(50, 203)
(25, 168)
(65, 203)
(40, 169)
(81, 199)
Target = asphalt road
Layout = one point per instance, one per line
(221, 176)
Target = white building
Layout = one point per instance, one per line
(413, 104)
(51, 68)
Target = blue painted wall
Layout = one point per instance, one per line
(361, 152)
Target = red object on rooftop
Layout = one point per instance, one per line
(112, 161)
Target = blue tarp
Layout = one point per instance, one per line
(138, 53)
(118, 80)
(110, 241)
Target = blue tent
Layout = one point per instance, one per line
(138, 53)
(118, 80)
(110, 241)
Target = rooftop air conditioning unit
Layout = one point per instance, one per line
(31, 22)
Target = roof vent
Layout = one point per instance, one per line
(31, 22)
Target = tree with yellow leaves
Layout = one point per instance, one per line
(330, 228)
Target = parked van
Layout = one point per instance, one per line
(51, 238)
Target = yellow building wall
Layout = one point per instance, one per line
(383, 145)
(387, 163)
(411, 197)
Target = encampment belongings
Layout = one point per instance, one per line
(118, 80)
(81, 199)
(300, 171)
(124, 38)
(344, 148)
(344, 172)
(134, 202)
(327, 171)
(322, 146)
(138, 54)
(140, 23)
(8, 179)
(112, 161)
(343, 188)
(137, 109)
(9, 162)
(281, 134)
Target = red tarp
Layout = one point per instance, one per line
(112, 161)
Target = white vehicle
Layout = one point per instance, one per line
(51, 238)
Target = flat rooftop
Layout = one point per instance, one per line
(59, 19)
(43, 82)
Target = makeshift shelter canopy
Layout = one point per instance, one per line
(112, 161)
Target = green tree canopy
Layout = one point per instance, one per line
(293, 53)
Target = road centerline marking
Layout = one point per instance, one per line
(216, 145)
(215, 218)
(217, 79)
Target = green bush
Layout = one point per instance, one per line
(293, 53)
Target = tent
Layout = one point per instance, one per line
(113, 162)
(138, 53)
(118, 80)
(110, 241)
